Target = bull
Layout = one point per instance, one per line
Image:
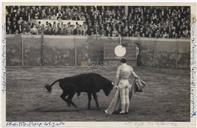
(91, 83)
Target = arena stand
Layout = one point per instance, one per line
(127, 21)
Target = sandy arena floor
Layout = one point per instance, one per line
(165, 98)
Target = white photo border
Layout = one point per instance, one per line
(95, 124)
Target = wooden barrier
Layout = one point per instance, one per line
(38, 50)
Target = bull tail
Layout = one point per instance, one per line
(49, 87)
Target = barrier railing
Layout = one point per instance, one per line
(49, 50)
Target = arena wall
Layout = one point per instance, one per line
(13, 50)
(173, 53)
(31, 50)
(58, 51)
(52, 50)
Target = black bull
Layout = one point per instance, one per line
(90, 83)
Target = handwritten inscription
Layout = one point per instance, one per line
(3, 61)
(193, 65)
(35, 124)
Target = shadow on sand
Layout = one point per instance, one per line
(40, 109)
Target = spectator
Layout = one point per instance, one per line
(34, 30)
(147, 21)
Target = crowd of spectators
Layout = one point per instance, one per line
(130, 21)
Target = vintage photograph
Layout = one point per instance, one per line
(98, 62)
